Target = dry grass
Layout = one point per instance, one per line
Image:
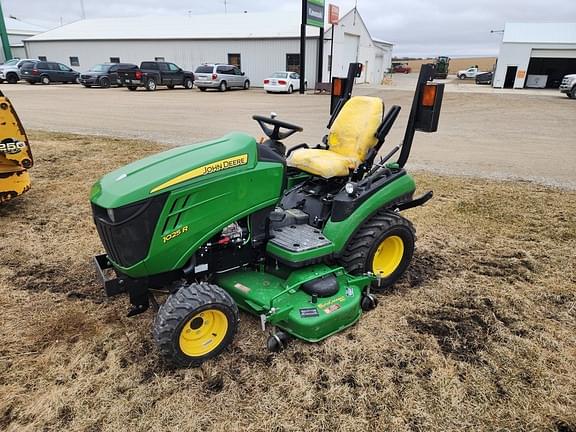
(480, 334)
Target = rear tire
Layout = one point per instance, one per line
(151, 84)
(247, 85)
(195, 324)
(188, 84)
(170, 86)
(462, 77)
(223, 86)
(45, 80)
(384, 246)
(202, 89)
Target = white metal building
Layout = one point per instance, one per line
(353, 43)
(18, 31)
(536, 55)
(260, 43)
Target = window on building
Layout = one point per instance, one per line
(293, 63)
(114, 59)
(42, 58)
(159, 59)
(234, 59)
(74, 61)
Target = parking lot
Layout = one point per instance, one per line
(523, 135)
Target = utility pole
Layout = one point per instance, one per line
(4, 37)
(82, 9)
(303, 46)
(225, 7)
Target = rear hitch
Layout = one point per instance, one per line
(421, 200)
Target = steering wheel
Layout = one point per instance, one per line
(274, 133)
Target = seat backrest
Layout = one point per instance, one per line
(353, 133)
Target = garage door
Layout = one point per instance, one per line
(549, 53)
(550, 69)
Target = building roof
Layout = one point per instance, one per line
(215, 26)
(16, 26)
(562, 33)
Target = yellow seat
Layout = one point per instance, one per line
(351, 136)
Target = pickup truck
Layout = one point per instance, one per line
(10, 71)
(568, 86)
(402, 68)
(471, 72)
(152, 74)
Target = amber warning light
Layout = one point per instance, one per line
(429, 95)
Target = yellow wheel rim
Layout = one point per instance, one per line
(388, 256)
(203, 333)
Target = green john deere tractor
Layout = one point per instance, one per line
(300, 238)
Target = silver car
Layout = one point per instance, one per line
(10, 71)
(220, 76)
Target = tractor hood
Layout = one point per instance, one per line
(175, 168)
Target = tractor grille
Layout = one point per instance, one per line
(126, 232)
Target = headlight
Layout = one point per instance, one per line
(350, 188)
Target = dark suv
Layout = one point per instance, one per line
(103, 75)
(46, 72)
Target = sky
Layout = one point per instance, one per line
(416, 27)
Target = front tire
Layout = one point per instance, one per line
(188, 84)
(384, 246)
(12, 78)
(105, 82)
(462, 77)
(195, 324)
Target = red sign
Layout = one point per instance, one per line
(333, 14)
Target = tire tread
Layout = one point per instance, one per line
(178, 306)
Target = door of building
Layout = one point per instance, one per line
(510, 76)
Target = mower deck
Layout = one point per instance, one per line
(290, 303)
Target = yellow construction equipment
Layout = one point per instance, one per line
(15, 155)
